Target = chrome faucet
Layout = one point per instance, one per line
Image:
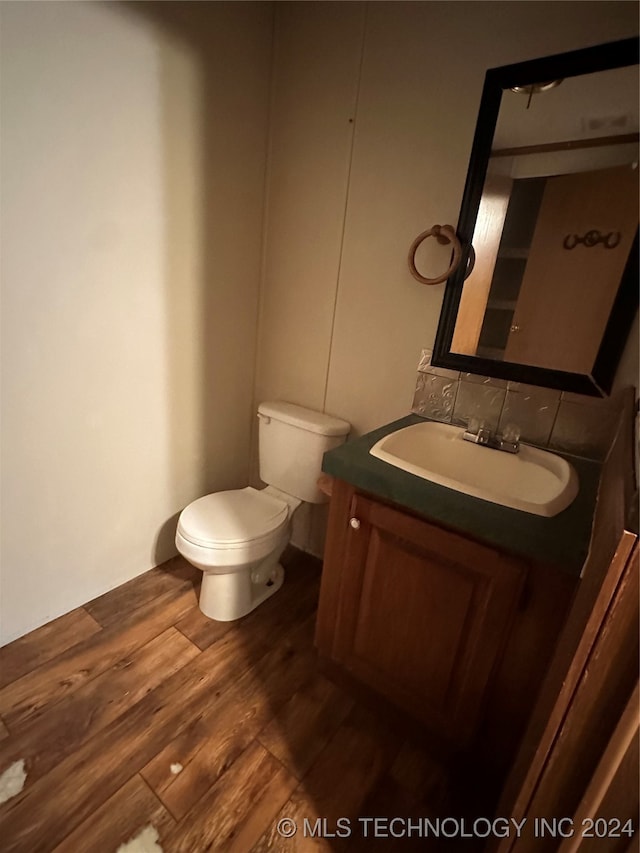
(478, 434)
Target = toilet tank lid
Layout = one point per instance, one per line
(304, 418)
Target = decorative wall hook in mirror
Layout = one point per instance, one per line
(592, 238)
(560, 176)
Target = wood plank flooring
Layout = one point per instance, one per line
(137, 711)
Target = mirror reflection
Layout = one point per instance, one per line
(556, 223)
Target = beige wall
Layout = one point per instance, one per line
(133, 157)
(342, 321)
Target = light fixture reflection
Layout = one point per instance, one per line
(535, 88)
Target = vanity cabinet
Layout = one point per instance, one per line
(416, 612)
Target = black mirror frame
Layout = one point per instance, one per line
(598, 383)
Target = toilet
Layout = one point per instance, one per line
(237, 537)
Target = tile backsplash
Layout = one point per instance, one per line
(559, 420)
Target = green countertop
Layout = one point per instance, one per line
(562, 540)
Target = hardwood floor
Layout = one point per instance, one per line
(137, 710)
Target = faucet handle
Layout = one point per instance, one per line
(474, 425)
(511, 432)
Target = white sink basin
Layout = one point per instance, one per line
(532, 480)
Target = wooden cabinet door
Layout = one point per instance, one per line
(422, 615)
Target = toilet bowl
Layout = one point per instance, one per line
(237, 537)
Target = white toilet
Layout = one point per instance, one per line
(237, 537)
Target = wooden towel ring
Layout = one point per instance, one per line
(444, 234)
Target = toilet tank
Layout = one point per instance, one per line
(292, 441)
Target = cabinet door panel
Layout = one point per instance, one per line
(423, 615)
(434, 600)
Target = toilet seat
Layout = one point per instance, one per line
(231, 520)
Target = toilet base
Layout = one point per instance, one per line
(229, 596)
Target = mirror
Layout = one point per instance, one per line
(550, 208)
